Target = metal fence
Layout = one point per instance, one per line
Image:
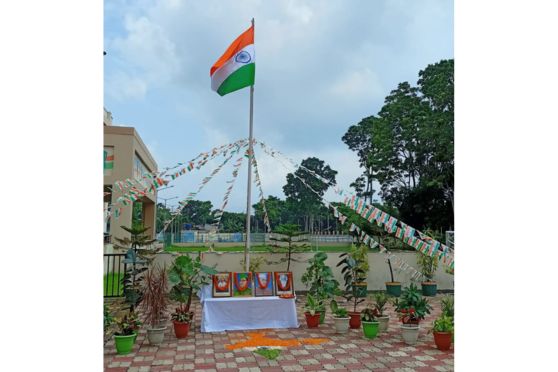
(450, 239)
(114, 269)
(206, 237)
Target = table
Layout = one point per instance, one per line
(241, 313)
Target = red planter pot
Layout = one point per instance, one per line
(181, 329)
(354, 323)
(312, 320)
(442, 340)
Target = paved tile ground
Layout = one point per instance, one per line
(206, 351)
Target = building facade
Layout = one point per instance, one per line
(126, 156)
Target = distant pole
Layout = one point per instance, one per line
(248, 197)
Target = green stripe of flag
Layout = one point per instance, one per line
(241, 78)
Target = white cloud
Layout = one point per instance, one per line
(357, 85)
(121, 86)
(321, 67)
(147, 51)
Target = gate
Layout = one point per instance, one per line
(114, 269)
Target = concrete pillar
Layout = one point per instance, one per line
(149, 217)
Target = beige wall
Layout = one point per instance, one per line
(377, 275)
(127, 143)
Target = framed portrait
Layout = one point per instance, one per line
(284, 283)
(242, 284)
(222, 284)
(263, 284)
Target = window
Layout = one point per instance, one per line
(108, 160)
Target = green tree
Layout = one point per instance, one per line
(300, 198)
(198, 212)
(289, 234)
(138, 258)
(163, 214)
(232, 222)
(359, 139)
(409, 146)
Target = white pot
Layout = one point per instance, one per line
(341, 324)
(410, 333)
(156, 335)
(384, 321)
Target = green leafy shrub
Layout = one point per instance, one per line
(443, 324)
(411, 306)
(313, 304)
(338, 312)
(447, 305)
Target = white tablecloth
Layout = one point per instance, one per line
(240, 313)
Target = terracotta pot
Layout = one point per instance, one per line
(312, 321)
(442, 340)
(354, 323)
(181, 329)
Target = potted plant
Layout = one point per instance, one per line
(393, 288)
(443, 332)
(428, 266)
(125, 337)
(412, 308)
(138, 257)
(447, 305)
(354, 270)
(108, 320)
(311, 309)
(187, 276)
(370, 324)
(380, 301)
(320, 281)
(290, 240)
(181, 319)
(154, 304)
(340, 317)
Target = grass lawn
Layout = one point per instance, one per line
(114, 281)
(256, 248)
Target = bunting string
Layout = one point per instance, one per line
(261, 194)
(183, 203)
(219, 213)
(133, 189)
(365, 238)
(405, 233)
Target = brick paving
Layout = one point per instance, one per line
(207, 352)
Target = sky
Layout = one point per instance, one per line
(321, 66)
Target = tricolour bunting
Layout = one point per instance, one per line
(236, 68)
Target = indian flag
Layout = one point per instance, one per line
(236, 68)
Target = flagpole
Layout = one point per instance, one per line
(249, 191)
